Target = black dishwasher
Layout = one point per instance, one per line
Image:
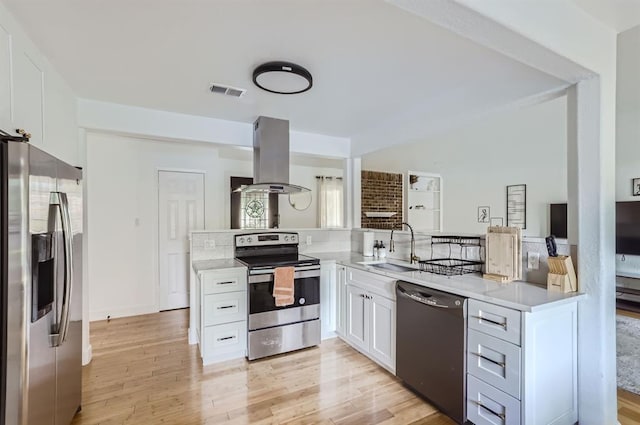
(430, 346)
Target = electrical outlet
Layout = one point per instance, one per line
(210, 244)
(533, 260)
(309, 240)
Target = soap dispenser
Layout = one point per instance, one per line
(382, 251)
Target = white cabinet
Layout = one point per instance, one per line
(5, 80)
(522, 367)
(358, 315)
(341, 296)
(423, 201)
(328, 299)
(494, 320)
(383, 330)
(28, 97)
(222, 314)
(370, 323)
(34, 97)
(489, 406)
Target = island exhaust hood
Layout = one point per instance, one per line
(271, 158)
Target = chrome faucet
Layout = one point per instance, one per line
(413, 258)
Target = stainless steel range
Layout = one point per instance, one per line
(275, 330)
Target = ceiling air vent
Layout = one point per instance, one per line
(227, 90)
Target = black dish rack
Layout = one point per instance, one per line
(453, 266)
(450, 266)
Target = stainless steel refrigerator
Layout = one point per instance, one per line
(41, 291)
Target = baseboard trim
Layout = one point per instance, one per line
(87, 355)
(122, 312)
(193, 336)
(329, 335)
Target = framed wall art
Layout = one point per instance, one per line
(484, 214)
(517, 206)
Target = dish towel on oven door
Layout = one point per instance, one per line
(283, 288)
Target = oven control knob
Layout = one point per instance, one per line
(249, 240)
(293, 238)
(241, 240)
(286, 238)
(302, 301)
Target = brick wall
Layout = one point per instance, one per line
(381, 192)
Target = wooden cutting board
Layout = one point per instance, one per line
(504, 252)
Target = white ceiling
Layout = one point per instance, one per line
(620, 15)
(372, 62)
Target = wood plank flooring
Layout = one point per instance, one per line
(628, 402)
(144, 372)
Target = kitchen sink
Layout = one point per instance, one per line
(393, 267)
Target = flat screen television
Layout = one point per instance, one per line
(628, 228)
(558, 216)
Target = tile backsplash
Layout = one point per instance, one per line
(219, 244)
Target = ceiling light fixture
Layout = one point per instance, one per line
(282, 78)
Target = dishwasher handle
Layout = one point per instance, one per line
(431, 298)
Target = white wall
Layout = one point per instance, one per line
(122, 217)
(477, 162)
(122, 212)
(628, 114)
(628, 131)
(163, 125)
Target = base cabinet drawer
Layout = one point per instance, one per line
(228, 280)
(494, 361)
(225, 308)
(224, 339)
(487, 405)
(494, 320)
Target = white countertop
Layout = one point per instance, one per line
(521, 296)
(225, 263)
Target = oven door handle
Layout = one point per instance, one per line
(270, 270)
(260, 278)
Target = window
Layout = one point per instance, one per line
(330, 202)
(252, 210)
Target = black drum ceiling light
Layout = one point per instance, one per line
(282, 78)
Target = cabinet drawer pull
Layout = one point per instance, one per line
(229, 282)
(222, 307)
(226, 338)
(500, 415)
(493, 322)
(502, 365)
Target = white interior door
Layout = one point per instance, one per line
(180, 211)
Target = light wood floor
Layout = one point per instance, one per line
(628, 402)
(144, 372)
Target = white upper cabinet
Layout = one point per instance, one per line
(5, 80)
(28, 90)
(423, 201)
(33, 96)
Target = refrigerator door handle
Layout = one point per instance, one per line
(59, 199)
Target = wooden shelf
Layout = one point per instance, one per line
(379, 214)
